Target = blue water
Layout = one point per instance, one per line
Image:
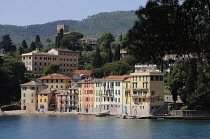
(78, 127)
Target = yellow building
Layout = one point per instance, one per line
(147, 92)
(126, 96)
(56, 81)
(44, 99)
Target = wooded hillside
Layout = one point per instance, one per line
(94, 26)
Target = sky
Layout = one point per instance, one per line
(30, 12)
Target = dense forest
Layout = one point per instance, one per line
(93, 26)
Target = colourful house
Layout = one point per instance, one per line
(147, 92)
(29, 92)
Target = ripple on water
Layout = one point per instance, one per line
(81, 126)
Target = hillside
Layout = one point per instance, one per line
(94, 26)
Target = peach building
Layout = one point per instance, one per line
(36, 61)
(86, 95)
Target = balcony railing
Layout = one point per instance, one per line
(144, 96)
(107, 95)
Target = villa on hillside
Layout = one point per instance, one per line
(36, 61)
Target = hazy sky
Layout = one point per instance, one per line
(28, 12)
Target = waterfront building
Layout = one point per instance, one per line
(45, 100)
(86, 95)
(36, 61)
(112, 94)
(29, 92)
(97, 95)
(66, 100)
(56, 81)
(147, 92)
(126, 97)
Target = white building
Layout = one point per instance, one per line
(112, 89)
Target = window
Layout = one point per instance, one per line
(32, 101)
(45, 100)
(152, 78)
(161, 78)
(143, 100)
(61, 86)
(40, 58)
(126, 86)
(24, 88)
(152, 93)
(24, 94)
(56, 86)
(152, 100)
(40, 100)
(32, 95)
(145, 92)
(118, 99)
(24, 101)
(118, 92)
(156, 78)
(45, 94)
(32, 88)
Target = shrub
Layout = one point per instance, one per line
(51, 109)
(10, 107)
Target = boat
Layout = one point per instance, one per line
(103, 113)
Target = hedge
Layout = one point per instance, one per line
(10, 107)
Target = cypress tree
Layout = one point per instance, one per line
(97, 62)
(32, 46)
(24, 44)
(110, 55)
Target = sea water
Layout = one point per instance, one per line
(91, 127)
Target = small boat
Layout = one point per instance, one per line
(103, 113)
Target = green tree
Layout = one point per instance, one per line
(53, 67)
(32, 46)
(38, 43)
(49, 41)
(68, 73)
(110, 55)
(12, 73)
(107, 37)
(117, 53)
(70, 40)
(24, 44)
(7, 44)
(97, 62)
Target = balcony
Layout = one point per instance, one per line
(144, 96)
(107, 95)
(139, 89)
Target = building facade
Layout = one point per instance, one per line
(56, 81)
(29, 93)
(112, 88)
(36, 61)
(147, 92)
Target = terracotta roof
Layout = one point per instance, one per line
(33, 83)
(64, 50)
(84, 72)
(120, 78)
(55, 76)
